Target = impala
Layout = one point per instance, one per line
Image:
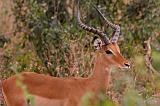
(53, 91)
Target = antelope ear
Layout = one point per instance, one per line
(97, 43)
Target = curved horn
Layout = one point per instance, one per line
(116, 28)
(116, 33)
(91, 29)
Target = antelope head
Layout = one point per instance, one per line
(107, 49)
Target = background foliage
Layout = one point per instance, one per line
(47, 39)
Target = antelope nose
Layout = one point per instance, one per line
(127, 65)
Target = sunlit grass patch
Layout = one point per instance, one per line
(156, 60)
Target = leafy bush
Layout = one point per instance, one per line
(50, 42)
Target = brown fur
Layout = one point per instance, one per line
(52, 91)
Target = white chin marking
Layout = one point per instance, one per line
(125, 67)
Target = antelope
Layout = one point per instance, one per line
(54, 91)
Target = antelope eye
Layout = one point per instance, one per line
(108, 52)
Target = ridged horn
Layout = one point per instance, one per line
(102, 35)
(116, 28)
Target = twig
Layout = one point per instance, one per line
(1, 95)
(147, 56)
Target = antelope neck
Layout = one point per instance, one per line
(100, 75)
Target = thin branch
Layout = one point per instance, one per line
(147, 56)
(1, 95)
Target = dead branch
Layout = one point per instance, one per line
(1, 95)
(147, 56)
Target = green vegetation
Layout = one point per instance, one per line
(48, 40)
